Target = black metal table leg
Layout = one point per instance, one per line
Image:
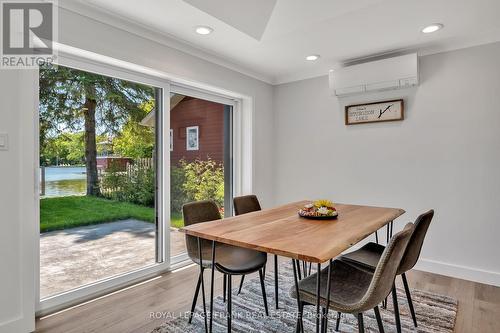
(328, 287)
(202, 284)
(212, 287)
(276, 280)
(318, 298)
(299, 307)
(229, 302)
(376, 236)
(298, 269)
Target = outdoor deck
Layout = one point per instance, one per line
(78, 256)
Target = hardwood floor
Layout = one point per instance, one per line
(130, 310)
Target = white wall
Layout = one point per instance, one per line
(17, 225)
(17, 236)
(81, 32)
(445, 155)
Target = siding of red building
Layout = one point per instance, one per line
(209, 117)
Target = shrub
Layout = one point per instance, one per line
(193, 181)
(177, 193)
(204, 181)
(136, 185)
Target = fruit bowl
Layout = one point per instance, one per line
(319, 210)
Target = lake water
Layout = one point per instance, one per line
(63, 181)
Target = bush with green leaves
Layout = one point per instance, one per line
(204, 180)
(137, 185)
(189, 181)
(178, 196)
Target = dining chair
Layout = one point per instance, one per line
(369, 255)
(353, 289)
(229, 260)
(247, 204)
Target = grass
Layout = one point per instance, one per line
(176, 220)
(76, 211)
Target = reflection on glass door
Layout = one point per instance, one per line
(200, 159)
(98, 178)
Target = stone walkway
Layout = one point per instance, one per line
(78, 256)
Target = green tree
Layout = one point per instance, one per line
(71, 99)
(136, 140)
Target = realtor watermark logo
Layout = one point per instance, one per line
(29, 30)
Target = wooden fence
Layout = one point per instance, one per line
(131, 171)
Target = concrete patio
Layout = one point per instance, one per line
(78, 256)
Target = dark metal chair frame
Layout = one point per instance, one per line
(228, 273)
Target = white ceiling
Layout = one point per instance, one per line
(272, 37)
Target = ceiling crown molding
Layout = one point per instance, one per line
(136, 28)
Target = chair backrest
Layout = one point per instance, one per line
(385, 273)
(246, 204)
(198, 212)
(416, 241)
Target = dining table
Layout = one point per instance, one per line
(281, 231)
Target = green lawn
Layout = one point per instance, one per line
(74, 211)
(176, 220)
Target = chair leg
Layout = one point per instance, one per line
(337, 324)
(224, 288)
(229, 305)
(276, 280)
(195, 298)
(410, 302)
(361, 323)
(263, 287)
(379, 320)
(396, 308)
(241, 284)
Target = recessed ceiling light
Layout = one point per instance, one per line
(312, 57)
(204, 30)
(432, 28)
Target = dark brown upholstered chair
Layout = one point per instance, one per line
(247, 204)
(229, 260)
(369, 255)
(354, 290)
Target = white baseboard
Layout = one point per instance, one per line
(458, 271)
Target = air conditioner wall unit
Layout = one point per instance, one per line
(386, 74)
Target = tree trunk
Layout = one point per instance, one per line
(90, 145)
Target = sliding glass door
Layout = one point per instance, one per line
(200, 157)
(120, 152)
(100, 178)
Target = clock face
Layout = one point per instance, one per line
(374, 112)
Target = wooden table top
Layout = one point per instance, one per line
(281, 231)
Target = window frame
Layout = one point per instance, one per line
(242, 155)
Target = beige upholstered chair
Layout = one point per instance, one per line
(354, 290)
(229, 260)
(369, 255)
